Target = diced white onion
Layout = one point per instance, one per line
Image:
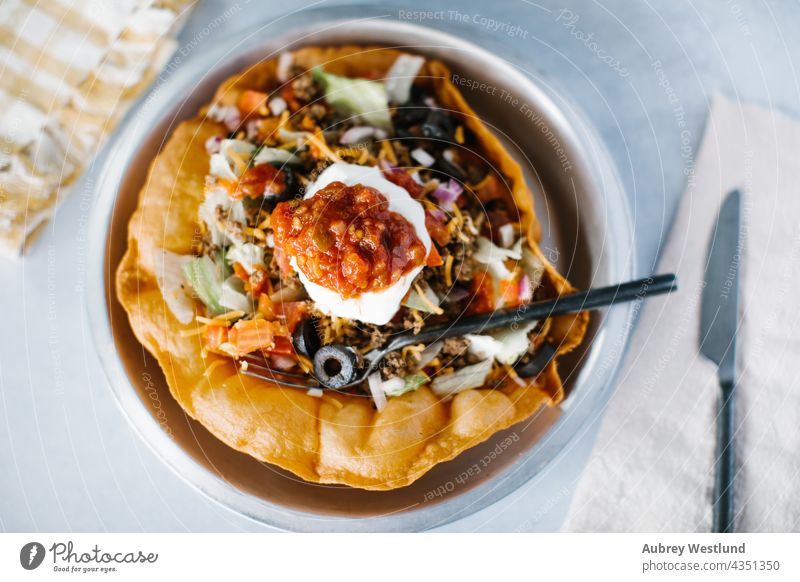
(375, 388)
(489, 254)
(506, 233)
(393, 385)
(222, 164)
(218, 197)
(284, 64)
(505, 345)
(212, 144)
(360, 133)
(277, 105)
(534, 267)
(423, 157)
(248, 255)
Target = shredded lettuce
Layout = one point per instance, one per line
(205, 278)
(218, 197)
(169, 275)
(267, 155)
(365, 99)
(233, 295)
(464, 379)
(411, 383)
(401, 76)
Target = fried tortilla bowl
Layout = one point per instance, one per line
(335, 438)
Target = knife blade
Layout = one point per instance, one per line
(719, 321)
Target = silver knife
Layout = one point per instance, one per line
(719, 320)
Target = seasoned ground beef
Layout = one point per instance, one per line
(454, 347)
(306, 88)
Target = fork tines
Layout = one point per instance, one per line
(257, 366)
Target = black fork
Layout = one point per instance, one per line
(340, 367)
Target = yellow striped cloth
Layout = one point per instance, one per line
(70, 69)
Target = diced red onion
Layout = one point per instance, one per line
(525, 289)
(423, 157)
(232, 118)
(226, 114)
(252, 128)
(437, 214)
(448, 193)
(212, 144)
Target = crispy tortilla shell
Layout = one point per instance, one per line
(335, 438)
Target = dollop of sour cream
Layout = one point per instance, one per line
(377, 307)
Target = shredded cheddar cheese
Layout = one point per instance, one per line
(448, 271)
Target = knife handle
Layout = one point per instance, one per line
(725, 470)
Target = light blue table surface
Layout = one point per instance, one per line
(643, 72)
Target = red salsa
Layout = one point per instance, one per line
(346, 239)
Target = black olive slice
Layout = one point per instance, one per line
(335, 365)
(306, 338)
(538, 362)
(438, 125)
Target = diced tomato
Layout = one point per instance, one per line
(509, 291)
(404, 180)
(434, 258)
(436, 228)
(283, 261)
(482, 288)
(253, 334)
(258, 282)
(251, 101)
(282, 346)
(291, 100)
(214, 336)
(292, 311)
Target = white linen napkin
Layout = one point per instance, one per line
(652, 467)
